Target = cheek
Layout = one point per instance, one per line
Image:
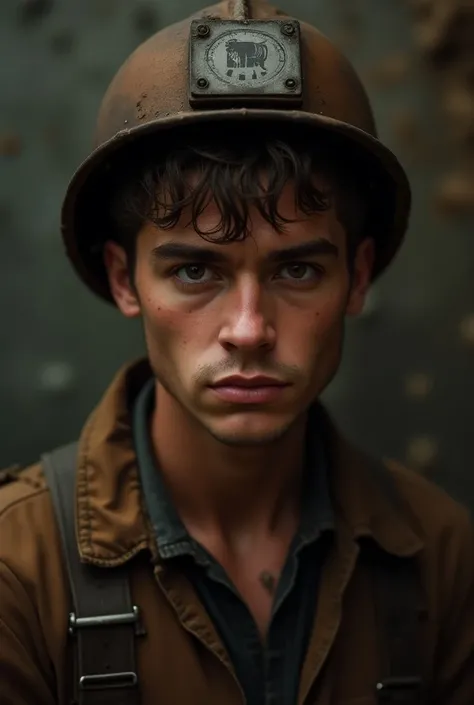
(310, 327)
(311, 340)
(160, 323)
(175, 330)
(171, 335)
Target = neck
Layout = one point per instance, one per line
(226, 490)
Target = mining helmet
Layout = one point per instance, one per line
(238, 63)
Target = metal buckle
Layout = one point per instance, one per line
(102, 681)
(398, 689)
(106, 620)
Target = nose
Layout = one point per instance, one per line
(247, 323)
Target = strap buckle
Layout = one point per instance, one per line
(106, 620)
(400, 690)
(103, 681)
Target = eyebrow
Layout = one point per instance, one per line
(204, 255)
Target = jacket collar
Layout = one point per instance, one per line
(368, 496)
(112, 524)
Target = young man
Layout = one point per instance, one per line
(222, 543)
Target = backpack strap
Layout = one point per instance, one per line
(104, 622)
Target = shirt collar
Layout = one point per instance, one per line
(370, 498)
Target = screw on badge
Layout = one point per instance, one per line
(202, 83)
(203, 30)
(288, 29)
(291, 83)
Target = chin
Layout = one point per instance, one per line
(249, 432)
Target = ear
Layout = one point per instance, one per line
(123, 290)
(361, 276)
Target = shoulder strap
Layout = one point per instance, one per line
(104, 622)
(398, 606)
(398, 610)
(10, 474)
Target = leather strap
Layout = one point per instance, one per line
(104, 623)
(397, 601)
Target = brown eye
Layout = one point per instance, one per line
(192, 274)
(300, 271)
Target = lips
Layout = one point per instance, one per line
(249, 382)
(249, 390)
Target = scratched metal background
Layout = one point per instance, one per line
(406, 387)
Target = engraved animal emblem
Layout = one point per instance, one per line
(242, 56)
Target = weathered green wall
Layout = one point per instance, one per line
(407, 383)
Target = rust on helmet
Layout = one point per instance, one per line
(153, 82)
(241, 10)
(268, 66)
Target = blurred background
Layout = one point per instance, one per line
(406, 386)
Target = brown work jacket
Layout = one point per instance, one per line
(181, 660)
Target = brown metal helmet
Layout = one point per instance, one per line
(236, 62)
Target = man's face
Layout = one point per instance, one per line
(272, 305)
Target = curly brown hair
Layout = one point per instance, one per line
(238, 175)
